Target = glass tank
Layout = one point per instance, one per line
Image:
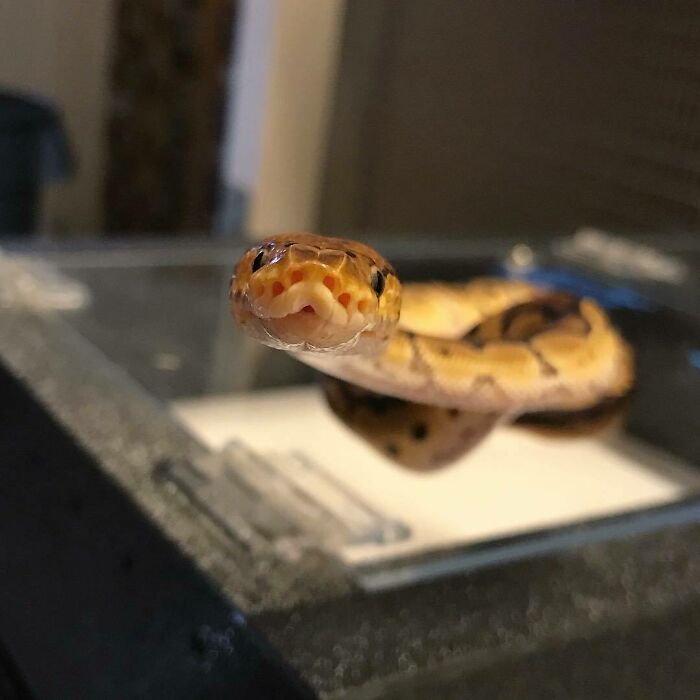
(281, 465)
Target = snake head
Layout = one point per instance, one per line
(299, 291)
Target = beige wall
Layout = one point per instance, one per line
(304, 51)
(60, 48)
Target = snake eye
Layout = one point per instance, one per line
(259, 261)
(378, 283)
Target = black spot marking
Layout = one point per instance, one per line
(350, 254)
(514, 313)
(419, 431)
(354, 396)
(472, 337)
(381, 405)
(445, 351)
(548, 370)
(452, 412)
(392, 449)
(564, 419)
(552, 309)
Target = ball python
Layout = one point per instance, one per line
(425, 371)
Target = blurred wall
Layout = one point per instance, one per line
(532, 118)
(280, 103)
(60, 48)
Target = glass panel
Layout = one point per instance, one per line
(284, 468)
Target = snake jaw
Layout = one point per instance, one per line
(292, 300)
(309, 312)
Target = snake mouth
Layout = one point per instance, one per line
(310, 312)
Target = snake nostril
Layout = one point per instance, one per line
(344, 299)
(296, 276)
(277, 288)
(329, 281)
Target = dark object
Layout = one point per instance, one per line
(12, 686)
(122, 608)
(113, 585)
(167, 96)
(33, 152)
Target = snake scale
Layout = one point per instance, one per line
(424, 371)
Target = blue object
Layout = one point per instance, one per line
(694, 358)
(33, 152)
(607, 295)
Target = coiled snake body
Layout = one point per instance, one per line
(424, 371)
